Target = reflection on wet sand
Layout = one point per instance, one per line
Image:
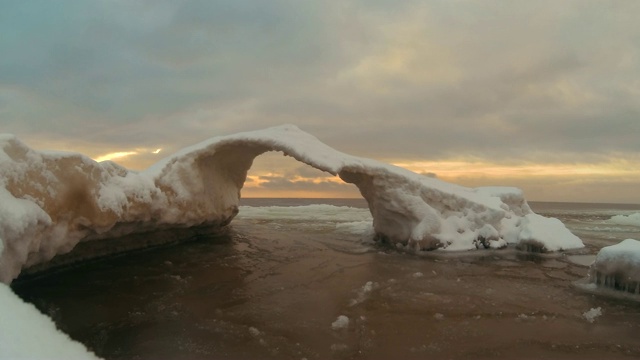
(258, 292)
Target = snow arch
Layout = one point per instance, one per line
(49, 202)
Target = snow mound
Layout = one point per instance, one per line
(27, 334)
(49, 202)
(617, 267)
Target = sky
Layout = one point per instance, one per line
(542, 95)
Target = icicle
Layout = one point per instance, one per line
(617, 267)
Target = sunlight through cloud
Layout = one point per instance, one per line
(115, 155)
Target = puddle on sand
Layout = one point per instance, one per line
(582, 260)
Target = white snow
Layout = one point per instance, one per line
(25, 333)
(618, 267)
(592, 314)
(341, 322)
(551, 231)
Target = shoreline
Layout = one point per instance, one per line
(265, 293)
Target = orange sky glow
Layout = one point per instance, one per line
(555, 181)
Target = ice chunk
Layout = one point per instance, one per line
(254, 332)
(584, 260)
(341, 322)
(363, 293)
(592, 314)
(617, 267)
(629, 220)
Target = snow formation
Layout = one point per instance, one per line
(617, 267)
(27, 334)
(49, 202)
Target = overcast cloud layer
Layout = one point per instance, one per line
(505, 82)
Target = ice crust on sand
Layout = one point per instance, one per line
(49, 202)
(617, 267)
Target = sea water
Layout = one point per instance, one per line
(303, 278)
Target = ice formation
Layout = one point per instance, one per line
(49, 202)
(617, 267)
(629, 220)
(27, 334)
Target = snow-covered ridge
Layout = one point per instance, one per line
(51, 201)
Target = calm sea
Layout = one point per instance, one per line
(302, 279)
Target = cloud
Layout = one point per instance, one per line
(274, 175)
(504, 82)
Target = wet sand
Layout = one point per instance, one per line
(259, 293)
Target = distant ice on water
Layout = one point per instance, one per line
(629, 220)
(27, 334)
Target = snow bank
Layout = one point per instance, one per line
(617, 267)
(49, 202)
(27, 334)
